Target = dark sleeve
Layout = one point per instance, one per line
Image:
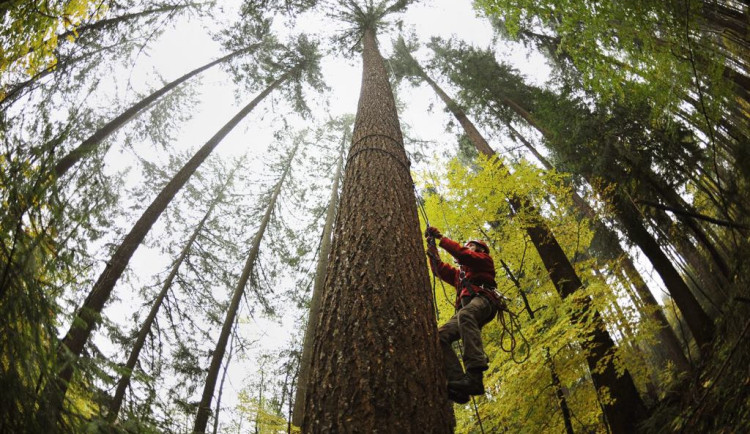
(466, 256)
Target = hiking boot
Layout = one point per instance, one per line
(469, 384)
(457, 397)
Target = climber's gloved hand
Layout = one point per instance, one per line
(433, 232)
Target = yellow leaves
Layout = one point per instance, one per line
(268, 419)
(467, 202)
(30, 41)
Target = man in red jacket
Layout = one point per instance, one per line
(476, 305)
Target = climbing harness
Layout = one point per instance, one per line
(511, 335)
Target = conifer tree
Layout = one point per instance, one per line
(320, 273)
(145, 329)
(204, 408)
(376, 362)
(653, 310)
(34, 51)
(86, 318)
(463, 66)
(90, 145)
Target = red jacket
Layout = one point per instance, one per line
(479, 268)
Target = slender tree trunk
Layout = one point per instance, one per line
(145, 330)
(700, 324)
(665, 333)
(87, 317)
(654, 310)
(204, 408)
(685, 300)
(320, 276)
(92, 142)
(221, 385)
(260, 402)
(376, 358)
(107, 22)
(627, 409)
(285, 388)
(621, 321)
(13, 94)
(559, 393)
(671, 197)
(708, 283)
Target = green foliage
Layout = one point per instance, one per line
(468, 202)
(359, 17)
(30, 31)
(299, 56)
(681, 60)
(619, 49)
(643, 99)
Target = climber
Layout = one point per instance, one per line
(476, 304)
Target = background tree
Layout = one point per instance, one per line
(80, 330)
(627, 409)
(145, 330)
(700, 324)
(201, 419)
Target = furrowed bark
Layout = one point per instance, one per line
(376, 358)
(314, 315)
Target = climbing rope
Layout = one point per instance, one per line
(431, 246)
(432, 254)
(473, 401)
(510, 328)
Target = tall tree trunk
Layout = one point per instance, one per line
(559, 393)
(376, 358)
(671, 197)
(320, 277)
(666, 334)
(260, 402)
(14, 93)
(695, 316)
(204, 408)
(626, 410)
(92, 142)
(87, 317)
(145, 330)
(708, 283)
(700, 324)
